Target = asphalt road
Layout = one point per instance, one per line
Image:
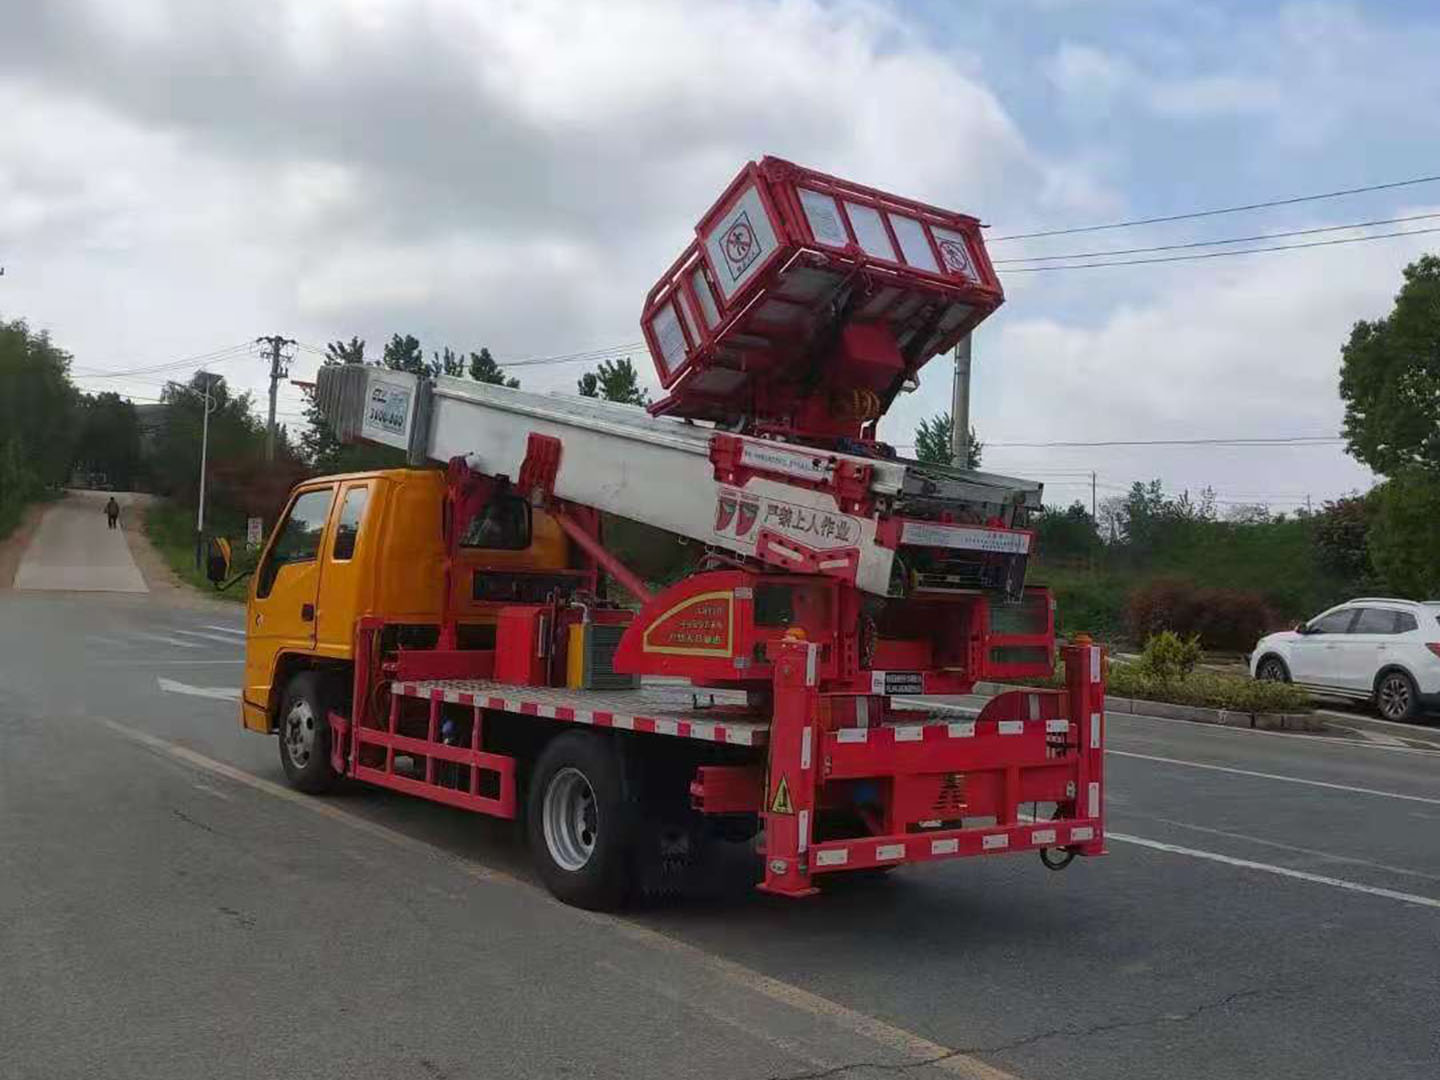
(1270, 907)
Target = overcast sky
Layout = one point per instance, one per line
(177, 178)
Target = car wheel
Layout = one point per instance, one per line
(1273, 669)
(305, 734)
(1395, 696)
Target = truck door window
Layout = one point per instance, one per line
(347, 528)
(504, 524)
(299, 537)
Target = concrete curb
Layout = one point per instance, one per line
(1310, 722)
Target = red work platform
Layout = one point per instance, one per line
(806, 302)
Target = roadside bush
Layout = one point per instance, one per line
(1222, 618)
(1209, 689)
(1168, 657)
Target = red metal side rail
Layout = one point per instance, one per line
(350, 736)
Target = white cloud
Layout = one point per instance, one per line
(504, 173)
(1239, 347)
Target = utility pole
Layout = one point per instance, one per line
(960, 406)
(204, 452)
(1093, 515)
(278, 371)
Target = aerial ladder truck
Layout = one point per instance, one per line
(461, 630)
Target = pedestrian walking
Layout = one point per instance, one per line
(112, 512)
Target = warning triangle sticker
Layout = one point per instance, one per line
(781, 804)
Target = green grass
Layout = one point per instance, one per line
(12, 509)
(170, 528)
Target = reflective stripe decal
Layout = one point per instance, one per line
(1043, 836)
(885, 852)
(833, 857)
(944, 847)
(994, 842)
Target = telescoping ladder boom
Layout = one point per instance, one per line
(784, 504)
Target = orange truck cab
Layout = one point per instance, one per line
(372, 544)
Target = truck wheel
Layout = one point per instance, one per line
(305, 734)
(1395, 696)
(579, 821)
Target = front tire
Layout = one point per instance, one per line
(1272, 669)
(305, 734)
(1396, 698)
(580, 823)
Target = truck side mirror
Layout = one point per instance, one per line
(217, 560)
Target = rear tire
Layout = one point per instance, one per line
(1396, 698)
(1272, 669)
(304, 731)
(580, 823)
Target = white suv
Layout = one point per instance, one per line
(1386, 651)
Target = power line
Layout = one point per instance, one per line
(1221, 254)
(1216, 243)
(1258, 440)
(209, 357)
(1192, 215)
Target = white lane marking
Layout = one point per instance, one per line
(132, 664)
(921, 1050)
(234, 631)
(1315, 852)
(177, 642)
(103, 639)
(1277, 776)
(208, 637)
(1281, 871)
(220, 693)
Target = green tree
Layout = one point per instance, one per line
(405, 354)
(933, 442)
(236, 439)
(1405, 539)
(109, 438)
(1340, 531)
(1390, 378)
(1066, 534)
(448, 362)
(319, 445)
(37, 416)
(614, 380)
(483, 368)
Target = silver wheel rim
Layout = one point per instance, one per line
(571, 819)
(1395, 696)
(299, 734)
(1271, 671)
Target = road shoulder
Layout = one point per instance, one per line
(12, 547)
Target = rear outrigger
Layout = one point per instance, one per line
(452, 631)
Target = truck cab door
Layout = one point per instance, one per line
(281, 613)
